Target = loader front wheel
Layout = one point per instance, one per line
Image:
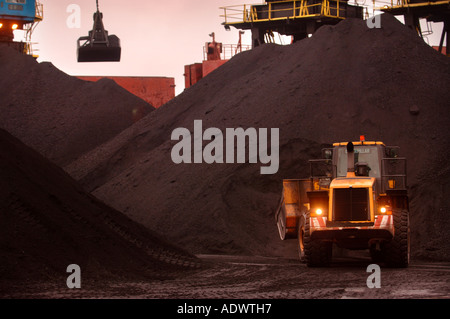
(397, 251)
(317, 253)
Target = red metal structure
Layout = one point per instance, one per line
(154, 90)
(215, 54)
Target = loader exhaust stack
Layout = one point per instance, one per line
(350, 160)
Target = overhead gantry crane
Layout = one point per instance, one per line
(296, 18)
(414, 10)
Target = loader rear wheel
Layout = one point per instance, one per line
(397, 251)
(317, 253)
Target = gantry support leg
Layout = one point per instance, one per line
(445, 30)
(413, 22)
(257, 37)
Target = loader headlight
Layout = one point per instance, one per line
(386, 210)
(316, 212)
(14, 26)
(1, 25)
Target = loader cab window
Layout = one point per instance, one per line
(366, 158)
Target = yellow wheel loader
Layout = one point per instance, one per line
(356, 197)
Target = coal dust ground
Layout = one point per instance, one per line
(255, 277)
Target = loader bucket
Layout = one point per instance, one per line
(291, 207)
(291, 191)
(100, 52)
(289, 210)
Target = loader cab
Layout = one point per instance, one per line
(372, 159)
(367, 161)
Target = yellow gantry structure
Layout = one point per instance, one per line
(282, 10)
(300, 18)
(297, 18)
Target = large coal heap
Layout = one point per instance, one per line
(58, 115)
(48, 223)
(345, 81)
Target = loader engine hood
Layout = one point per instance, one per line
(349, 182)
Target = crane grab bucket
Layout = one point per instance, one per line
(98, 46)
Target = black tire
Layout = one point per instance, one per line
(301, 238)
(397, 251)
(317, 253)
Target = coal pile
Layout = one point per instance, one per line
(58, 115)
(345, 81)
(48, 223)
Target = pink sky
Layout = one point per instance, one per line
(158, 37)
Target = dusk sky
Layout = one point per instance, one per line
(157, 37)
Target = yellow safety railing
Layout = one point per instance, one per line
(29, 28)
(29, 50)
(228, 50)
(299, 9)
(39, 11)
(236, 13)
